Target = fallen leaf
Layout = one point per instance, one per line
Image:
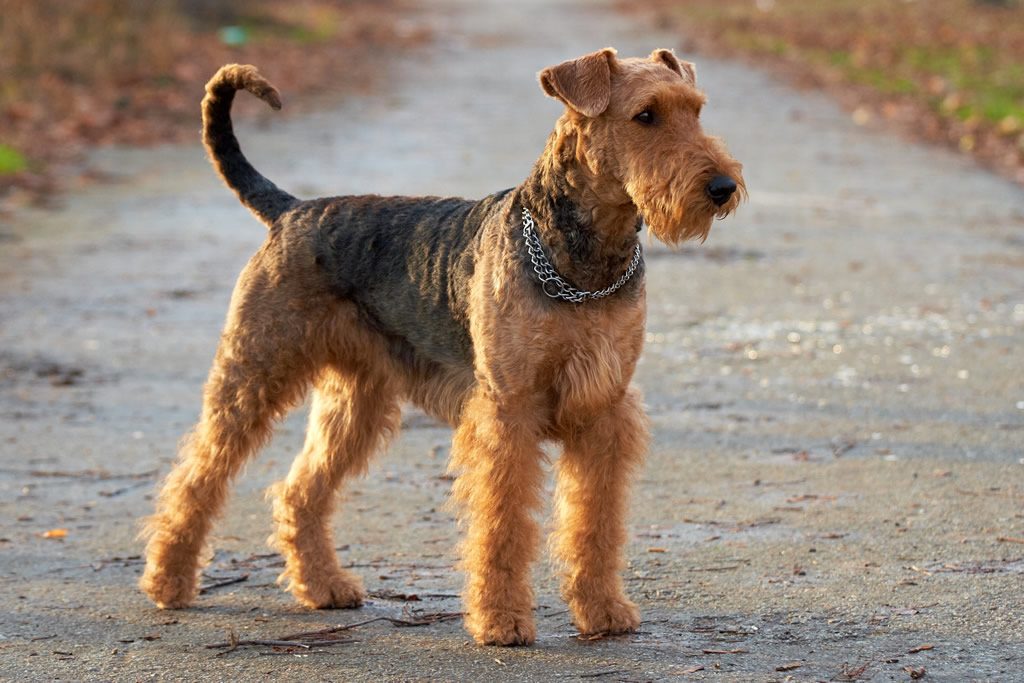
(789, 666)
(915, 672)
(921, 648)
(853, 673)
(1009, 539)
(803, 498)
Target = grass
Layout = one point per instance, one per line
(11, 161)
(959, 63)
(927, 48)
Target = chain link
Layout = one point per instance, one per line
(560, 288)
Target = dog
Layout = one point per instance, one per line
(518, 319)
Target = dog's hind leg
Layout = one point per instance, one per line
(262, 368)
(353, 414)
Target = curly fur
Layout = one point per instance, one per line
(372, 301)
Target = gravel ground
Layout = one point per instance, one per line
(836, 485)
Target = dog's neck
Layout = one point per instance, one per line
(588, 228)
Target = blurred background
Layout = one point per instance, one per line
(81, 73)
(948, 71)
(835, 486)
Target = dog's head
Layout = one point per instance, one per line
(637, 130)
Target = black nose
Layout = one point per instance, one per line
(720, 189)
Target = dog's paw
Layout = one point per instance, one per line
(338, 591)
(502, 628)
(610, 615)
(169, 591)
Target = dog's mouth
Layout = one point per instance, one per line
(675, 217)
(681, 196)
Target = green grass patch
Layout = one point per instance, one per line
(11, 160)
(882, 80)
(758, 43)
(840, 58)
(899, 49)
(996, 105)
(319, 32)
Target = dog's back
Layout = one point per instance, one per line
(406, 262)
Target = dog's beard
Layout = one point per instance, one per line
(676, 206)
(673, 223)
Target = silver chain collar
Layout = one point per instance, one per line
(553, 284)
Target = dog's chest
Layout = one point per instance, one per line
(594, 366)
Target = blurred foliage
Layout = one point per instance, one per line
(128, 40)
(85, 72)
(11, 161)
(957, 63)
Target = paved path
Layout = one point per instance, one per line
(835, 381)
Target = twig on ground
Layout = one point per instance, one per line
(328, 643)
(99, 475)
(383, 564)
(1009, 539)
(723, 568)
(126, 561)
(269, 643)
(598, 674)
(125, 489)
(421, 621)
(334, 629)
(408, 597)
(424, 620)
(310, 639)
(225, 582)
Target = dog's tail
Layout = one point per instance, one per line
(258, 194)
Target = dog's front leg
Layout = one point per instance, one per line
(593, 478)
(497, 454)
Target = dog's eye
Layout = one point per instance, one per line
(645, 117)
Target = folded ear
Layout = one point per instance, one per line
(584, 83)
(685, 69)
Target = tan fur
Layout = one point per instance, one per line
(661, 172)
(541, 370)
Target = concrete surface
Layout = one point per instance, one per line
(835, 381)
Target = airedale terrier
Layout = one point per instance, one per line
(518, 318)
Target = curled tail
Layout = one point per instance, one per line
(258, 194)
